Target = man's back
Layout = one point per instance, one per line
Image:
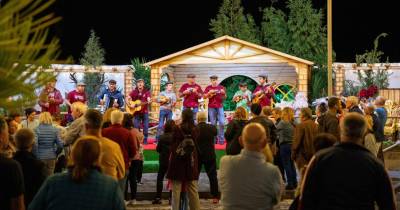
(346, 176)
(112, 160)
(11, 182)
(248, 182)
(205, 140)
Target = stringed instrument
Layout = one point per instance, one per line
(134, 106)
(164, 100)
(258, 98)
(238, 98)
(213, 93)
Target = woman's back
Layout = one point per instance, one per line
(97, 192)
(46, 139)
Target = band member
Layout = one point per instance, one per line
(50, 98)
(191, 92)
(167, 100)
(76, 95)
(111, 97)
(242, 97)
(216, 96)
(142, 116)
(263, 92)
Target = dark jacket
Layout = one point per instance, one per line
(183, 169)
(356, 109)
(232, 133)
(378, 128)
(164, 146)
(34, 174)
(329, 123)
(269, 127)
(206, 140)
(346, 176)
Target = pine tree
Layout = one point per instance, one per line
(300, 33)
(232, 21)
(92, 57)
(141, 72)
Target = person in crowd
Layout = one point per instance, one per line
(57, 121)
(34, 170)
(216, 96)
(234, 130)
(303, 143)
(50, 98)
(369, 137)
(183, 164)
(77, 127)
(276, 115)
(206, 150)
(124, 138)
(377, 129)
(136, 165)
(269, 126)
(11, 178)
(246, 180)
(47, 143)
(17, 119)
(76, 95)
(83, 186)
(191, 93)
(352, 105)
(276, 118)
(320, 111)
(112, 161)
(107, 117)
(382, 114)
(164, 150)
(321, 141)
(366, 183)
(329, 122)
(12, 129)
(30, 121)
(111, 97)
(242, 97)
(167, 100)
(285, 130)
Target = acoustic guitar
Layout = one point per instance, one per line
(164, 100)
(213, 93)
(137, 106)
(258, 98)
(238, 98)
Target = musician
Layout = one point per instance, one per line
(143, 94)
(167, 100)
(111, 97)
(242, 97)
(76, 95)
(50, 98)
(191, 92)
(216, 96)
(264, 90)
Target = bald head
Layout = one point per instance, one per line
(254, 137)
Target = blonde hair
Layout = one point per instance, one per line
(353, 100)
(79, 107)
(266, 111)
(370, 122)
(287, 114)
(107, 114)
(117, 117)
(241, 113)
(45, 118)
(201, 116)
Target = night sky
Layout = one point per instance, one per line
(155, 28)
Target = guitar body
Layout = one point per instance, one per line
(164, 100)
(238, 98)
(257, 99)
(137, 103)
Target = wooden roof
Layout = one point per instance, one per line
(225, 49)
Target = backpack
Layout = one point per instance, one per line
(185, 148)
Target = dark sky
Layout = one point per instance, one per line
(155, 28)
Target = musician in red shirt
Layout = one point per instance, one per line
(76, 95)
(143, 94)
(50, 98)
(265, 90)
(191, 92)
(216, 96)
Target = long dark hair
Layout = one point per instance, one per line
(85, 156)
(128, 121)
(187, 121)
(169, 126)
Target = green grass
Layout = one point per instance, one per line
(151, 160)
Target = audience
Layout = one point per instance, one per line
(234, 130)
(11, 178)
(364, 184)
(47, 143)
(33, 169)
(83, 186)
(247, 181)
(30, 121)
(77, 127)
(369, 137)
(206, 148)
(329, 122)
(352, 105)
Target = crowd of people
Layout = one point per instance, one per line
(332, 162)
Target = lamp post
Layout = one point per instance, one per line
(329, 47)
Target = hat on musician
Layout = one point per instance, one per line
(263, 76)
(169, 82)
(191, 76)
(139, 80)
(112, 82)
(243, 84)
(80, 84)
(214, 77)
